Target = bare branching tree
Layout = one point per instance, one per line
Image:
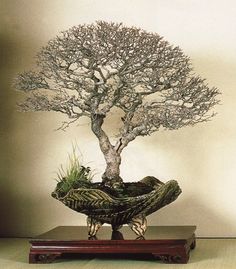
(90, 69)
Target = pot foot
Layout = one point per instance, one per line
(93, 226)
(138, 224)
(116, 227)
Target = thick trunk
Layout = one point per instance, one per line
(111, 177)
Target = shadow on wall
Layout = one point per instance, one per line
(11, 53)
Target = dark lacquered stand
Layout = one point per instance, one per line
(171, 244)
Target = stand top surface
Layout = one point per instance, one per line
(79, 233)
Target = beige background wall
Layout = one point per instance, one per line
(202, 158)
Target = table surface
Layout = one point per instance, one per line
(75, 233)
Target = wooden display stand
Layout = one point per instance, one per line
(171, 244)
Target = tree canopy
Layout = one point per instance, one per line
(91, 68)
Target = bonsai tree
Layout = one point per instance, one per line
(91, 69)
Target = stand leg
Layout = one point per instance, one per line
(173, 258)
(43, 257)
(32, 258)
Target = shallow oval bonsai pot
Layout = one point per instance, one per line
(128, 205)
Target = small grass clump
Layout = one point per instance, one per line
(74, 176)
